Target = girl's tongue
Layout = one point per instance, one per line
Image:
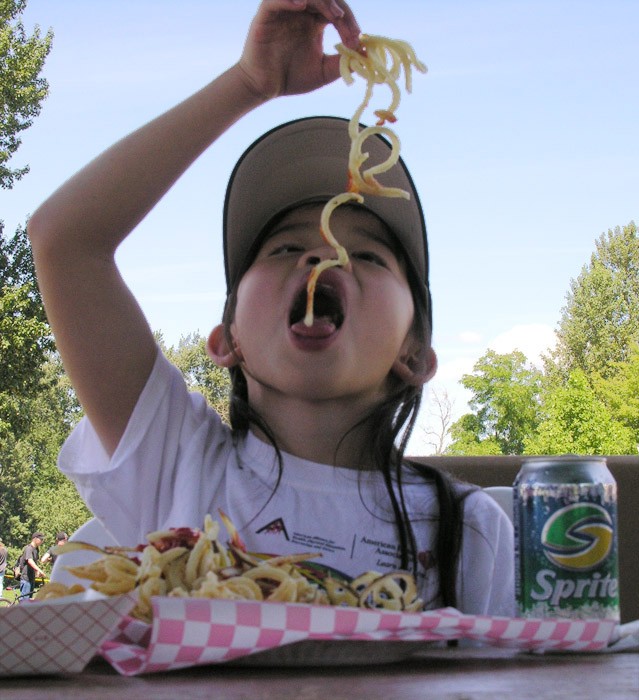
(322, 328)
(328, 311)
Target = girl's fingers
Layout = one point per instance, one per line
(348, 28)
(284, 53)
(336, 12)
(340, 15)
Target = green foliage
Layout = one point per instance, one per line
(577, 421)
(620, 392)
(601, 318)
(467, 440)
(22, 90)
(505, 402)
(35, 495)
(25, 338)
(16, 476)
(37, 407)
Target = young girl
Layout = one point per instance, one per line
(313, 460)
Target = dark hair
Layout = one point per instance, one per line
(392, 423)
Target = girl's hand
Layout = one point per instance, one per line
(284, 50)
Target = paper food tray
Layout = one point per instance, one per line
(192, 632)
(58, 636)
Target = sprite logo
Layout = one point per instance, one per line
(578, 537)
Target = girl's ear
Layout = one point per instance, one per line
(417, 366)
(217, 348)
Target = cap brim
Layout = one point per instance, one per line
(304, 159)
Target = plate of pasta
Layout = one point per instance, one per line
(199, 601)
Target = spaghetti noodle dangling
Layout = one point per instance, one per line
(380, 60)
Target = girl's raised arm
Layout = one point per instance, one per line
(105, 342)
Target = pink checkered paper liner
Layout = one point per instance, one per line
(194, 631)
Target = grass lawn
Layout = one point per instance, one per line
(10, 593)
(11, 590)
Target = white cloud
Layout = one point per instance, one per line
(532, 339)
(451, 371)
(470, 337)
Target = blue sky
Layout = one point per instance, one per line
(522, 140)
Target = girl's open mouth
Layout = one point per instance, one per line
(328, 311)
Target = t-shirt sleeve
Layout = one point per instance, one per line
(160, 466)
(486, 582)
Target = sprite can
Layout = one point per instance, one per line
(565, 519)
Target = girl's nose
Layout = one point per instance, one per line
(317, 255)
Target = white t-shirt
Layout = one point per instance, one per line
(177, 462)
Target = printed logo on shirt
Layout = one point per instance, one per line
(275, 527)
(307, 541)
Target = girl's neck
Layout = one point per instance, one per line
(327, 432)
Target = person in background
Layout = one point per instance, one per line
(3, 564)
(29, 565)
(60, 539)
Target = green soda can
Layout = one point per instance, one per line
(565, 521)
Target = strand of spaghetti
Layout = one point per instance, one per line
(365, 181)
(353, 62)
(353, 124)
(327, 235)
(401, 51)
(380, 60)
(373, 67)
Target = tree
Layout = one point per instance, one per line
(24, 334)
(620, 392)
(600, 320)
(577, 421)
(34, 494)
(25, 338)
(505, 404)
(468, 438)
(22, 90)
(437, 429)
(37, 406)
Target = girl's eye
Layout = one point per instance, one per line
(285, 248)
(368, 256)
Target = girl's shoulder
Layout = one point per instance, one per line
(481, 504)
(486, 521)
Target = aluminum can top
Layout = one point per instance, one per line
(564, 469)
